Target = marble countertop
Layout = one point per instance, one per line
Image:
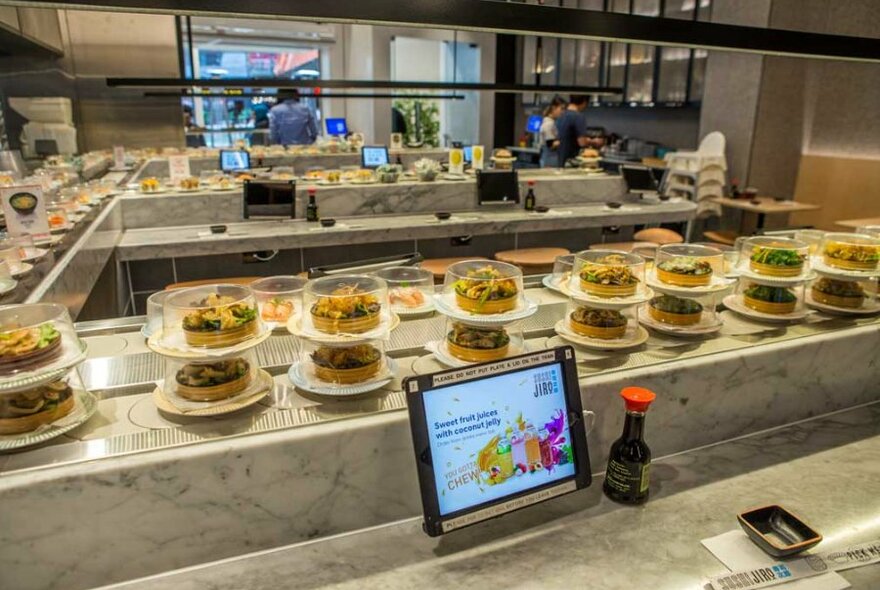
(141, 244)
(586, 537)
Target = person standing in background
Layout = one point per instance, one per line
(291, 122)
(548, 135)
(572, 128)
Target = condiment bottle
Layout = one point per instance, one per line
(312, 207)
(530, 196)
(627, 476)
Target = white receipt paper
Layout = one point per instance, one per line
(736, 551)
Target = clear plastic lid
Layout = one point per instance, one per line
(210, 380)
(37, 406)
(843, 293)
(811, 237)
(473, 343)
(602, 324)
(345, 304)
(342, 364)
(772, 300)
(608, 273)
(12, 255)
(730, 254)
(210, 316)
(278, 297)
(688, 265)
(869, 230)
(484, 286)
(36, 339)
(58, 218)
(775, 257)
(154, 312)
(686, 311)
(851, 251)
(410, 289)
(562, 267)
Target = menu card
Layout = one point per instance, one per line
(25, 211)
(178, 167)
(456, 161)
(478, 154)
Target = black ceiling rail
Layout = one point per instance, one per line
(233, 95)
(183, 83)
(496, 16)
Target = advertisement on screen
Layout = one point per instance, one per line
(498, 437)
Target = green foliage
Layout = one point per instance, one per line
(428, 120)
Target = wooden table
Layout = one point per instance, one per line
(857, 223)
(766, 206)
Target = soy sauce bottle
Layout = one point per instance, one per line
(530, 196)
(627, 476)
(312, 207)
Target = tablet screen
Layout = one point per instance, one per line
(498, 437)
(337, 127)
(373, 156)
(231, 160)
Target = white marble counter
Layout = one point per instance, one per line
(585, 540)
(167, 242)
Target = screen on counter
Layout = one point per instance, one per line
(373, 156)
(269, 199)
(498, 437)
(231, 160)
(534, 124)
(337, 127)
(468, 153)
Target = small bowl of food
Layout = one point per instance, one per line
(278, 297)
(211, 380)
(345, 364)
(345, 304)
(775, 257)
(476, 344)
(688, 265)
(484, 286)
(770, 299)
(212, 316)
(592, 322)
(675, 311)
(856, 252)
(609, 273)
(409, 289)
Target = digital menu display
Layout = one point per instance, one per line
(494, 438)
(337, 127)
(373, 156)
(231, 160)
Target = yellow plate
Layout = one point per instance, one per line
(767, 307)
(608, 290)
(775, 271)
(681, 280)
(488, 307)
(848, 264)
(612, 333)
(675, 319)
(476, 355)
(837, 300)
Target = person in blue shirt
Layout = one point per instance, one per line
(290, 121)
(572, 128)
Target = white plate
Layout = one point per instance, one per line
(445, 303)
(716, 285)
(298, 378)
(158, 191)
(22, 269)
(830, 271)
(735, 303)
(441, 352)
(324, 182)
(412, 311)
(871, 306)
(263, 385)
(84, 407)
(180, 350)
(61, 229)
(222, 189)
(635, 336)
(553, 283)
(188, 190)
(608, 302)
(356, 181)
(804, 277)
(7, 285)
(386, 325)
(704, 326)
(454, 177)
(33, 254)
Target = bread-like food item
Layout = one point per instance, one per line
(221, 322)
(188, 184)
(346, 364)
(347, 310)
(28, 347)
(150, 185)
(503, 153)
(477, 344)
(589, 153)
(486, 291)
(215, 381)
(27, 410)
(604, 324)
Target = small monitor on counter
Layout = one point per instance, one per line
(495, 437)
(468, 153)
(497, 187)
(337, 127)
(373, 156)
(273, 200)
(232, 160)
(638, 179)
(534, 123)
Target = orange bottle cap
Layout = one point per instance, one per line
(637, 398)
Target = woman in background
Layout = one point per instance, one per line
(549, 135)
